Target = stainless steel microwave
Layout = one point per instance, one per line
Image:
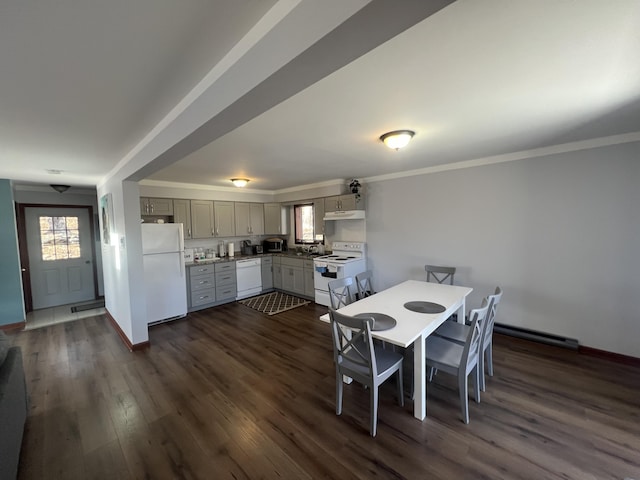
(273, 245)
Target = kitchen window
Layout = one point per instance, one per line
(305, 224)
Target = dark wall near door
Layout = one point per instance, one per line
(11, 304)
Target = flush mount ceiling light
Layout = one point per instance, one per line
(60, 188)
(240, 182)
(397, 139)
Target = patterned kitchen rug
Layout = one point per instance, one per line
(275, 302)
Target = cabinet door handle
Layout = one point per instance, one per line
(189, 232)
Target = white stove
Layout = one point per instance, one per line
(347, 260)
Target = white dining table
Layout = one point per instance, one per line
(412, 327)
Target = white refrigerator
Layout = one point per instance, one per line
(164, 271)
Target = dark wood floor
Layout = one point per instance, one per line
(231, 393)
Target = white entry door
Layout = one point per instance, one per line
(60, 255)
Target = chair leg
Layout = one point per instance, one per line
(339, 387)
(464, 397)
(489, 352)
(480, 367)
(476, 382)
(374, 410)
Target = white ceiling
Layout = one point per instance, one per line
(81, 85)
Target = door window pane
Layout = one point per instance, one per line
(59, 238)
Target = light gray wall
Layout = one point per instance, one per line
(559, 233)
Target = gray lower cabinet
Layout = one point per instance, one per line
(267, 273)
(277, 273)
(309, 289)
(226, 284)
(211, 284)
(201, 287)
(293, 275)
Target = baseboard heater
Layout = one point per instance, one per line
(534, 336)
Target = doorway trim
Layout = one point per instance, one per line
(21, 227)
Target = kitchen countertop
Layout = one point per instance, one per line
(293, 254)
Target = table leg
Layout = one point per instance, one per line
(419, 379)
(461, 312)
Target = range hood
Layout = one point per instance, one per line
(345, 215)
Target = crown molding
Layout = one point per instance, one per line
(511, 157)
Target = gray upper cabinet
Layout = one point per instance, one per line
(338, 203)
(273, 218)
(182, 214)
(202, 219)
(249, 219)
(224, 214)
(318, 215)
(156, 206)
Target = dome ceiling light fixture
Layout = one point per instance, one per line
(397, 139)
(240, 182)
(60, 188)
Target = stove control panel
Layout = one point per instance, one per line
(348, 246)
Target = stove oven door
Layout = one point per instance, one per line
(321, 278)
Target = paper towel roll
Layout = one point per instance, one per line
(231, 249)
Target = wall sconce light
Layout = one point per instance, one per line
(240, 182)
(397, 139)
(60, 188)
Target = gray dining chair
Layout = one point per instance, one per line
(487, 342)
(459, 360)
(340, 292)
(440, 274)
(364, 284)
(457, 332)
(356, 356)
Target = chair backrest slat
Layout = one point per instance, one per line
(364, 284)
(340, 292)
(475, 336)
(352, 344)
(440, 274)
(491, 315)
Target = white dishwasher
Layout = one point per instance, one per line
(249, 277)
